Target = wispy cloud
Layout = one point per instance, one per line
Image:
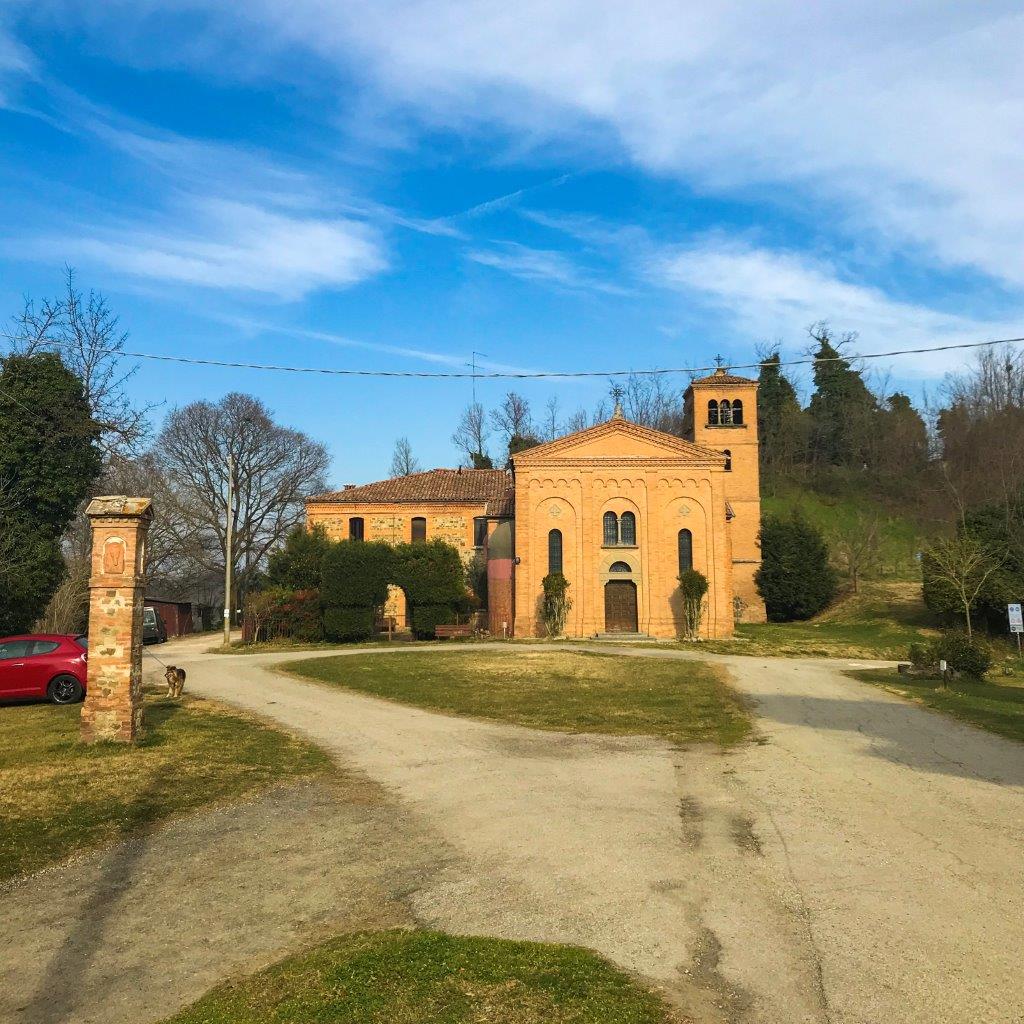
(909, 118)
(768, 293)
(453, 361)
(545, 266)
(239, 246)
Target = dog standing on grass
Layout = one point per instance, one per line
(175, 681)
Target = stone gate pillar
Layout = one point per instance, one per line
(113, 701)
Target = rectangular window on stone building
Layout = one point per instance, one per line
(419, 529)
(355, 528)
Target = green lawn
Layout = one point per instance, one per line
(681, 701)
(419, 977)
(881, 621)
(995, 705)
(58, 796)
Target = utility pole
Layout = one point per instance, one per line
(228, 552)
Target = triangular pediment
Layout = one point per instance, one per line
(618, 439)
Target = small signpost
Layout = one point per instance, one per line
(1013, 612)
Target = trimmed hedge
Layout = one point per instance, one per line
(298, 565)
(356, 574)
(278, 612)
(348, 625)
(427, 617)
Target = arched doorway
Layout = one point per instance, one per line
(620, 614)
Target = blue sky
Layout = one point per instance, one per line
(558, 184)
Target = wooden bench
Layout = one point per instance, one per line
(447, 632)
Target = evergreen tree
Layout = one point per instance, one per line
(795, 578)
(781, 423)
(49, 457)
(842, 409)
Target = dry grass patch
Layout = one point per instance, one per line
(682, 701)
(58, 795)
(418, 977)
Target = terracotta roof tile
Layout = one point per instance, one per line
(453, 486)
(722, 379)
(503, 507)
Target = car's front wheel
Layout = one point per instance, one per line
(65, 690)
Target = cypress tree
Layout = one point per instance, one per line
(781, 423)
(49, 457)
(795, 578)
(841, 408)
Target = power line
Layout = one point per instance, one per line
(546, 374)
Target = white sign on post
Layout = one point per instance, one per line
(1016, 618)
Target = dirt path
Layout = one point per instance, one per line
(861, 865)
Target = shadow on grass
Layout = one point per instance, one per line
(55, 999)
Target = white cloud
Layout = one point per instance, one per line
(767, 294)
(239, 246)
(544, 266)
(910, 116)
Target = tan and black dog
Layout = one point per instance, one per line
(175, 681)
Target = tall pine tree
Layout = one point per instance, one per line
(781, 423)
(842, 409)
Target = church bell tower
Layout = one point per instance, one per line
(721, 413)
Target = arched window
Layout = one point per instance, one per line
(419, 529)
(685, 551)
(554, 551)
(713, 413)
(355, 528)
(619, 567)
(611, 529)
(737, 413)
(627, 528)
(724, 412)
(728, 460)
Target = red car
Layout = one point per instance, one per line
(49, 665)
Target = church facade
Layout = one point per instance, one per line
(619, 509)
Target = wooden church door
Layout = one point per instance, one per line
(620, 607)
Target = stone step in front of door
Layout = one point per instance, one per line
(623, 636)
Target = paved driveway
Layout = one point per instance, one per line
(864, 863)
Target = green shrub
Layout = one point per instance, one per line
(969, 655)
(693, 586)
(920, 655)
(555, 604)
(278, 612)
(795, 578)
(426, 617)
(349, 625)
(298, 565)
(356, 574)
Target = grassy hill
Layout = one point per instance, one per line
(898, 532)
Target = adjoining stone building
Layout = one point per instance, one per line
(618, 508)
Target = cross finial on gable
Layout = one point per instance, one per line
(719, 361)
(617, 394)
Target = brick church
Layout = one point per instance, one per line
(618, 508)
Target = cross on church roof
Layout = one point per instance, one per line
(719, 361)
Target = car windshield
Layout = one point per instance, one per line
(149, 617)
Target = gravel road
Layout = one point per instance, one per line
(863, 862)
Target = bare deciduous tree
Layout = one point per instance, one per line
(512, 418)
(856, 545)
(471, 435)
(552, 427)
(275, 470)
(89, 340)
(964, 565)
(403, 462)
